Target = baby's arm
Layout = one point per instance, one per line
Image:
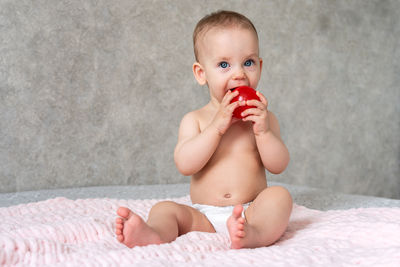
(273, 152)
(195, 147)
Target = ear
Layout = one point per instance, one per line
(199, 74)
(261, 64)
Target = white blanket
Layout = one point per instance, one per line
(81, 233)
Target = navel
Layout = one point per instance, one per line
(227, 195)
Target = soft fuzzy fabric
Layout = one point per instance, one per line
(81, 233)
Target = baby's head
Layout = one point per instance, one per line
(220, 19)
(226, 47)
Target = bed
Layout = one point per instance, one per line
(75, 227)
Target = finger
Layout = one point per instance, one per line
(253, 111)
(242, 103)
(229, 96)
(231, 107)
(251, 118)
(256, 103)
(236, 104)
(263, 99)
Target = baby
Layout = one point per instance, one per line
(225, 157)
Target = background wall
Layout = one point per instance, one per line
(92, 92)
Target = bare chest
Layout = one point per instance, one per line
(238, 139)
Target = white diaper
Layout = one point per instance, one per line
(218, 215)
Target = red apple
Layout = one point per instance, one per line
(245, 93)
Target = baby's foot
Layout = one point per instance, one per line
(236, 227)
(132, 231)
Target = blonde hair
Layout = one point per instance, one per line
(222, 18)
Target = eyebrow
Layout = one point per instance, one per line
(253, 55)
(223, 58)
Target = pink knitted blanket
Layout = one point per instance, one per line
(81, 233)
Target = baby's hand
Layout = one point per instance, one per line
(258, 115)
(223, 118)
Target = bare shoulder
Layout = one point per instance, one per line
(190, 119)
(196, 117)
(190, 124)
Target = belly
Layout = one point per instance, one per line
(229, 181)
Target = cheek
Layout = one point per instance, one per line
(254, 78)
(217, 79)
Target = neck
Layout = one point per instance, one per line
(214, 103)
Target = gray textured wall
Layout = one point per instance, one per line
(92, 92)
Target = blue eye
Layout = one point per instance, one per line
(249, 63)
(224, 64)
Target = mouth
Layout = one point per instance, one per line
(232, 89)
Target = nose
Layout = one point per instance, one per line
(239, 74)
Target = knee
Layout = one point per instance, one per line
(281, 196)
(164, 207)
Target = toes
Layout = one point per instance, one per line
(241, 234)
(123, 212)
(120, 238)
(237, 211)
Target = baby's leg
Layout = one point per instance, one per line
(266, 219)
(166, 221)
